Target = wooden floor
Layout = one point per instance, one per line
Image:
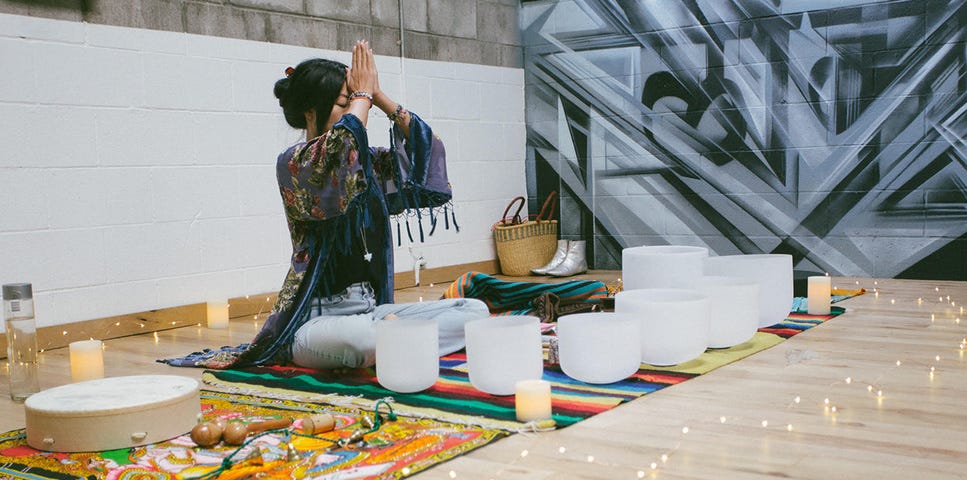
(878, 392)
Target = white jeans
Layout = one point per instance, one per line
(344, 334)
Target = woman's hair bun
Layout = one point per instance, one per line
(281, 89)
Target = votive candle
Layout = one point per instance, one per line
(87, 360)
(818, 296)
(532, 400)
(218, 314)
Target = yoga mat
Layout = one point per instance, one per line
(397, 449)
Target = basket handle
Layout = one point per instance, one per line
(516, 219)
(551, 202)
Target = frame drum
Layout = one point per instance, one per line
(112, 413)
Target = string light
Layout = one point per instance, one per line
(562, 450)
(722, 419)
(849, 380)
(453, 474)
(765, 423)
(684, 430)
(789, 427)
(641, 474)
(523, 453)
(590, 458)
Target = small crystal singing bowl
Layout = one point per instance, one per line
(407, 354)
(734, 309)
(674, 323)
(503, 350)
(661, 266)
(773, 272)
(599, 347)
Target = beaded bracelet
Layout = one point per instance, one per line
(365, 95)
(393, 117)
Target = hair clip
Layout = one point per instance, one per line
(288, 71)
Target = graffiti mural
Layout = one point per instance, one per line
(837, 134)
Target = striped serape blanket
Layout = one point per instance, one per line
(454, 399)
(517, 298)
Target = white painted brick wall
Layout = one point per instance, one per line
(137, 166)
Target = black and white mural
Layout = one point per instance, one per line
(834, 130)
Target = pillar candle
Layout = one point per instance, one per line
(218, 314)
(532, 400)
(818, 292)
(87, 360)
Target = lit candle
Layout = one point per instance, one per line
(87, 360)
(533, 400)
(218, 314)
(818, 296)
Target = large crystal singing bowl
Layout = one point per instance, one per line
(733, 307)
(599, 347)
(772, 271)
(674, 322)
(661, 266)
(407, 354)
(503, 350)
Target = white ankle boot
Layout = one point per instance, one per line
(574, 262)
(555, 260)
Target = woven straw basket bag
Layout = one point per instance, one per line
(526, 245)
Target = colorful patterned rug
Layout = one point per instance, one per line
(454, 399)
(398, 448)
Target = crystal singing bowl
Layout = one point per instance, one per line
(599, 347)
(733, 309)
(407, 354)
(503, 350)
(674, 322)
(773, 272)
(661, 266)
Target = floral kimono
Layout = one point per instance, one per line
(335, 190)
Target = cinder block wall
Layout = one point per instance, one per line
(139, 139)
(468, 31)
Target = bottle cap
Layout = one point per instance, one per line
(17, 291)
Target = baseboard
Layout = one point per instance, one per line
(254, 306)
(442, 274)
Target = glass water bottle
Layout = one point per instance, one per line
(18, 314)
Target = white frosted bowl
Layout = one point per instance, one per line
(661, 266)
(503, 350)
(674, 322)
(599, 347)
(733, 307)
(773, 272)
(407, 354)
